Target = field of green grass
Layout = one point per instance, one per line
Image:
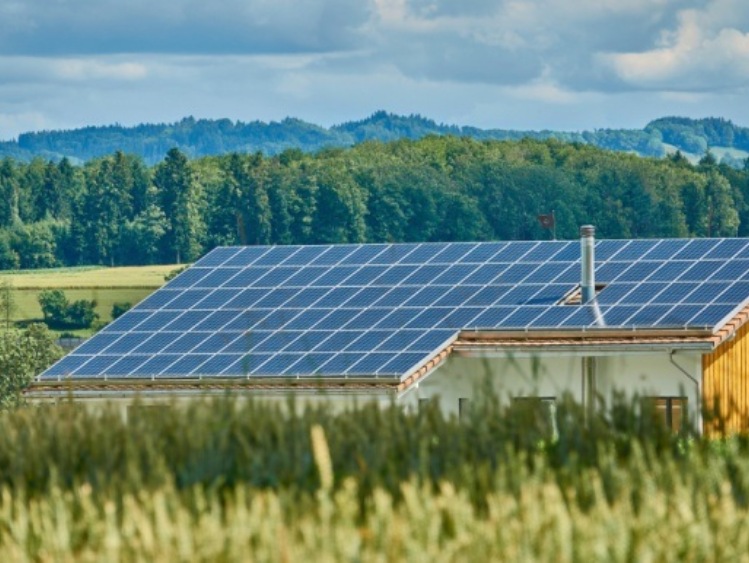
(106, 286)
(238, 481)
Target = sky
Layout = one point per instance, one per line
(509, 64)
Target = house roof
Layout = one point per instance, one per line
(388, 312)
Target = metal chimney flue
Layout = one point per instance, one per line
(588, 263)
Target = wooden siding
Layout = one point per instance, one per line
(725, 385)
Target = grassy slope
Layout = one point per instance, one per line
(104, 285)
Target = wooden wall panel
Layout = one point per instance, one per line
(725, 386)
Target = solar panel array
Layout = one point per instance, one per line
(381, 310)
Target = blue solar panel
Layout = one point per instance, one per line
(365, 275)
(266, 365)
(160, 341)
(393, 276)
(394, 253)
(424, 253)
(493, 317)
(487, 295)
(700, 271)
(513, 252)
(158, 299)
(454, 274)
(453, 252)
(395, 297)
(334, 255)
(635, 250)
(726, 249)
(306, 255)
(516, 273)
(383, 309)
(731, 271)
(365, 297)
(305, 276)
(217, 298)
(370, 363)
(457, 296)
(216, 278)
(696, 249)
(483, 252)
(338, 340)
(367, 318)
(216, 342)
(186, 364)
(180, 344)
(247, 255)
(423, 275)
(364, 254)
(547, 273)
(369, 340)
(676, 292)
(429, 318)
(605, 249)
(186, 299)
(306, 297)
(670, 271)
(666, 249)
(247, 277)
(217, 364)
(307, 319)
(334, 276)
(96, 345)
(188, 278)
(276, 276)
(216, 320)
(245, 299)
(340, 363)
(217, 256)
(275, 298)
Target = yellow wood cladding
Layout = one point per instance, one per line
(725, 385)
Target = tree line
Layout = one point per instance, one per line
(116, 210)
(206, 137)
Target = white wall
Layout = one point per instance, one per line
(545, 375)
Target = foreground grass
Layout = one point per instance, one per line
(237, 481)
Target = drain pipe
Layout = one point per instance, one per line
(587, 296)
(697, 391)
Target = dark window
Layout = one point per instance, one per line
(671, 411)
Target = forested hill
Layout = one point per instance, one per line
(729, 143)
(116, 210)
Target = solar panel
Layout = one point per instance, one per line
(383, 309)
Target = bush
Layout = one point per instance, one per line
(59, 313)
(118, 309)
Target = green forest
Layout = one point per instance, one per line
(210, 137)
(117, 210)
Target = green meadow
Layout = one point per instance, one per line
(106, 286)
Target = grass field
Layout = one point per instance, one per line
(248, 481)
(104, 285)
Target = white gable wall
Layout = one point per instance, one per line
(547, 375)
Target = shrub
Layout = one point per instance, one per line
(118, 309)
(59, 313)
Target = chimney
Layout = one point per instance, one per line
(587, 261)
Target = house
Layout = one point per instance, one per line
(665, 319)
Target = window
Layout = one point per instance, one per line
(538, 413)
(671, 411)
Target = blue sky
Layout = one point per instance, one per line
(518, 64)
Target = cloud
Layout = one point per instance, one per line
(694, 57)
(79, 27)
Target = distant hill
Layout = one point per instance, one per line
(203, 137)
